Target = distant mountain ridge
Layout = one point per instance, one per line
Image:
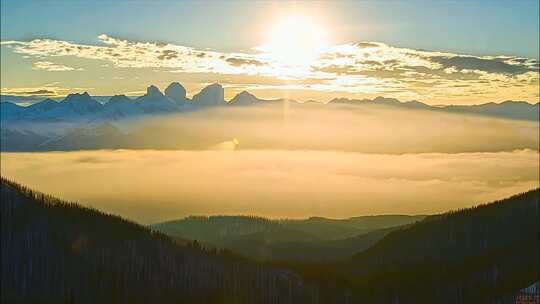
(58, 125)
(81, 106)
(320, 228)
(315, 238)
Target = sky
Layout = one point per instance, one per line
(438, 52)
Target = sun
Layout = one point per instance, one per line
(295, 40)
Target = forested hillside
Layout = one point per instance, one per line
(478, 255)
(59, 252)
(315, 238)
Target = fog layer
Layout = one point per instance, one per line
(337, 127)
(150, 186)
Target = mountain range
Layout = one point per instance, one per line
(83, 107)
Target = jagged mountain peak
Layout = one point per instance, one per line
(155, 102)
(46, 104)
(245, 93)
(210, 95)
(78, 97)
(176, 92)
(380, 99)
(244, 98)
(83, 106)
(153, 92)
(214, 85)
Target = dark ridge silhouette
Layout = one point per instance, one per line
(59, 252)
(82, 107)
(176, 92)
(52, 120)
(315, 238)
(484, 254)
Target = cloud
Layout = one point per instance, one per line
(336, 126)
(47, 90)
(38, 91)
(432, 73)
(242, 61)
(368, 44)
(356, 68)
(491, 65)
(290, 160)
(150, 186)
(168, 55)
(127, 54)
(53, 67)
(30, 92)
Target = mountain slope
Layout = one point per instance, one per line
(507, 109)
(315, 238)
(334, 229)
(464, 233)
(315, 251)
(211, 95)
(155, 102)
(59, 252)
(479, 255)
(220, 228)
(519, 110)
(105, 136)
(23, 140)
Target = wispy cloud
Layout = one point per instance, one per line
(29, 92)
(128, 54)
(365, 67)
(425, 72)
(53, 67)
(48, 90)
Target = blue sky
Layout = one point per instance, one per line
(462, 28)
(474, 27)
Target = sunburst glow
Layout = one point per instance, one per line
(295, 40)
